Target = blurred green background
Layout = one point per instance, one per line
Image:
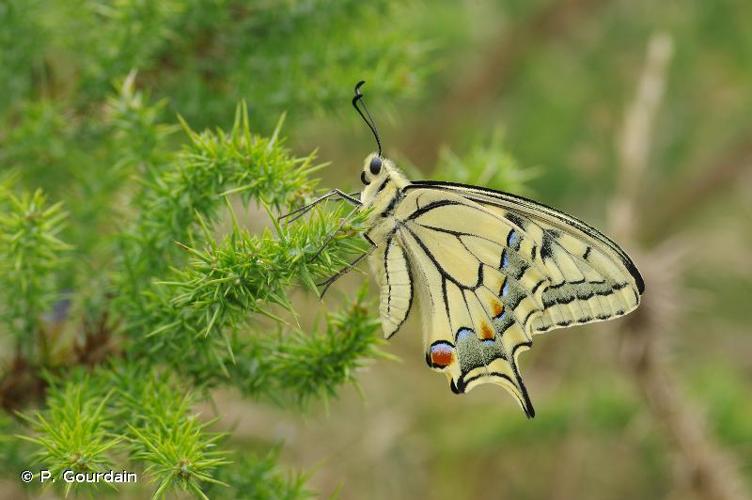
(634, 115)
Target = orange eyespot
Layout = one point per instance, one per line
(442, 355)
(441, 359)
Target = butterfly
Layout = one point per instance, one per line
(487, 269)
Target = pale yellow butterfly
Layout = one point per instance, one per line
(488, 269)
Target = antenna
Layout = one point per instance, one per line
(358, 98)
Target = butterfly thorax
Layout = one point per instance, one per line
(382, 193)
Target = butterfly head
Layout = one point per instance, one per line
(381, 179)
(374, 168)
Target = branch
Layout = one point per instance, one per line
(634, 141)
(710, 473)
(692, 195)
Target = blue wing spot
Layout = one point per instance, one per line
(504, 259)
(442, 348)
(505, 288)
(464, 333)
(513, 239)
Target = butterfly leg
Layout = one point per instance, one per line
(297, 213)
(330, 281)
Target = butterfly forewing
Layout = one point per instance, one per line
(586, 277)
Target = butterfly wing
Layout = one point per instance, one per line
(587, 276)
(470, 331)
(488, 277)
(394, 277)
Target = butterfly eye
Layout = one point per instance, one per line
(375, 165)
(363, 178)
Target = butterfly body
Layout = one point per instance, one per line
(489, 270)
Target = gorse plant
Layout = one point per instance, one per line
(177, 304)
(30, 256)
(120, 363)
(128, 286)
(131, 282)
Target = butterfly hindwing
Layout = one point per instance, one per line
(396, 283)
(472, 332)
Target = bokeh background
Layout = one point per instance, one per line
(634, 115)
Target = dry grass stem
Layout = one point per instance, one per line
(705, 471)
